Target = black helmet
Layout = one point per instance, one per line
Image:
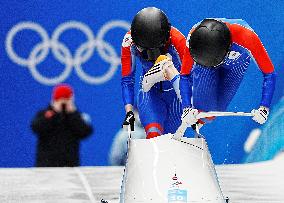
(150, 30)
(210, 42)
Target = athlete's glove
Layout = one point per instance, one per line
(260, 115)
(157, 73)
(189, 116)
(129, 120)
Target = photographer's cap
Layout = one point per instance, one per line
(62, 91)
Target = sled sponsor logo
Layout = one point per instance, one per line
(176, 194)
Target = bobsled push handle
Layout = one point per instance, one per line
(182, 128)
(217, 113)
(180, 131)
(129, 129)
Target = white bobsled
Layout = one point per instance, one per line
(172, 169)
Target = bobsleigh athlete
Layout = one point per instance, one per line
(159, 48)
(217, 56)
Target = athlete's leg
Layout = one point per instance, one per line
(174, 112)
(205, 83)
(231, 76)
(152, 112)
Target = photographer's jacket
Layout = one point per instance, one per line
(59, 135)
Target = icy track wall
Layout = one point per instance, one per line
(90, 32)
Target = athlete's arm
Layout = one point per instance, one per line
(178, 40)
(249, 40)
(128, 73)
(185, 80)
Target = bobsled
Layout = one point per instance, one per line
(172, 168)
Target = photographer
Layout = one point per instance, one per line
(59, 128)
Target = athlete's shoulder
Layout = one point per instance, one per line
(175, 32)
(176, 35)
(127, 40)
(237, 22)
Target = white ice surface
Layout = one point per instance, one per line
(249, 183)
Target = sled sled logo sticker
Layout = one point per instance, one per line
(176, 194)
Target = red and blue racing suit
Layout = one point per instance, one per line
(212, 89)
(159, 109)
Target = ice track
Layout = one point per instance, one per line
(249, 183)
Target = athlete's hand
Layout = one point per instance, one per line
(189, 116)
(157, 73)
(260, 115)
(129, 120)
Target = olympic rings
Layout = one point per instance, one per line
(62, 53)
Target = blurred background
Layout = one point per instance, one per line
(88, 35)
